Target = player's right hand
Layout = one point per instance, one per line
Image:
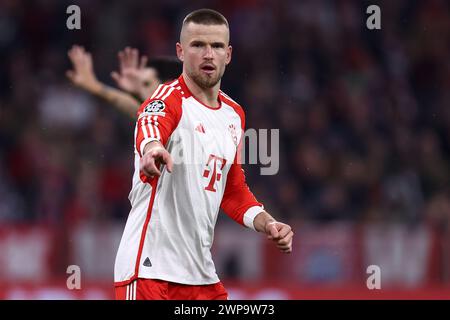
(153, 157)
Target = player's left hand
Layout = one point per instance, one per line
(281, 234)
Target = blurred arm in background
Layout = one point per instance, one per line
(133, 76)
(83, 76)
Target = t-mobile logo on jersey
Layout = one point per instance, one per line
(216, 174)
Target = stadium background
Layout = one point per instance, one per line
(364, 119)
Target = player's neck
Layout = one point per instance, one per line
(208, 96)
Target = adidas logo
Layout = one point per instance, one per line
(200, 128)
(147, 262)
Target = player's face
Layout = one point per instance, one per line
(205, 51)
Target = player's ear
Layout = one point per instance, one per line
(180, 53)
(229, 51)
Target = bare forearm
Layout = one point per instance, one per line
(121, 100)
(261, 220)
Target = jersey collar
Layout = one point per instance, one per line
(188, 93)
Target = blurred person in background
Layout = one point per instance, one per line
(136, 80)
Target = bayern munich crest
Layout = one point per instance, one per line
(232, 129)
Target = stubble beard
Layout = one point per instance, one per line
(205, 81)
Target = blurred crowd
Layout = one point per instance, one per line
(364, 115)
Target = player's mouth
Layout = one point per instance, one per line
(208, 68)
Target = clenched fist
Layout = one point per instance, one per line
(281, 234)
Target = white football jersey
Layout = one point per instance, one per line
(170, 228)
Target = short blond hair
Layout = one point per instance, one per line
(207, 17)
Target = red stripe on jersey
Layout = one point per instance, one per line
(153, 183)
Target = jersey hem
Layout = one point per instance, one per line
(166, 278)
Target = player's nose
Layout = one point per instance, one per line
(208, 52)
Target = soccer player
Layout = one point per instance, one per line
(136, 80)
(187, 142)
